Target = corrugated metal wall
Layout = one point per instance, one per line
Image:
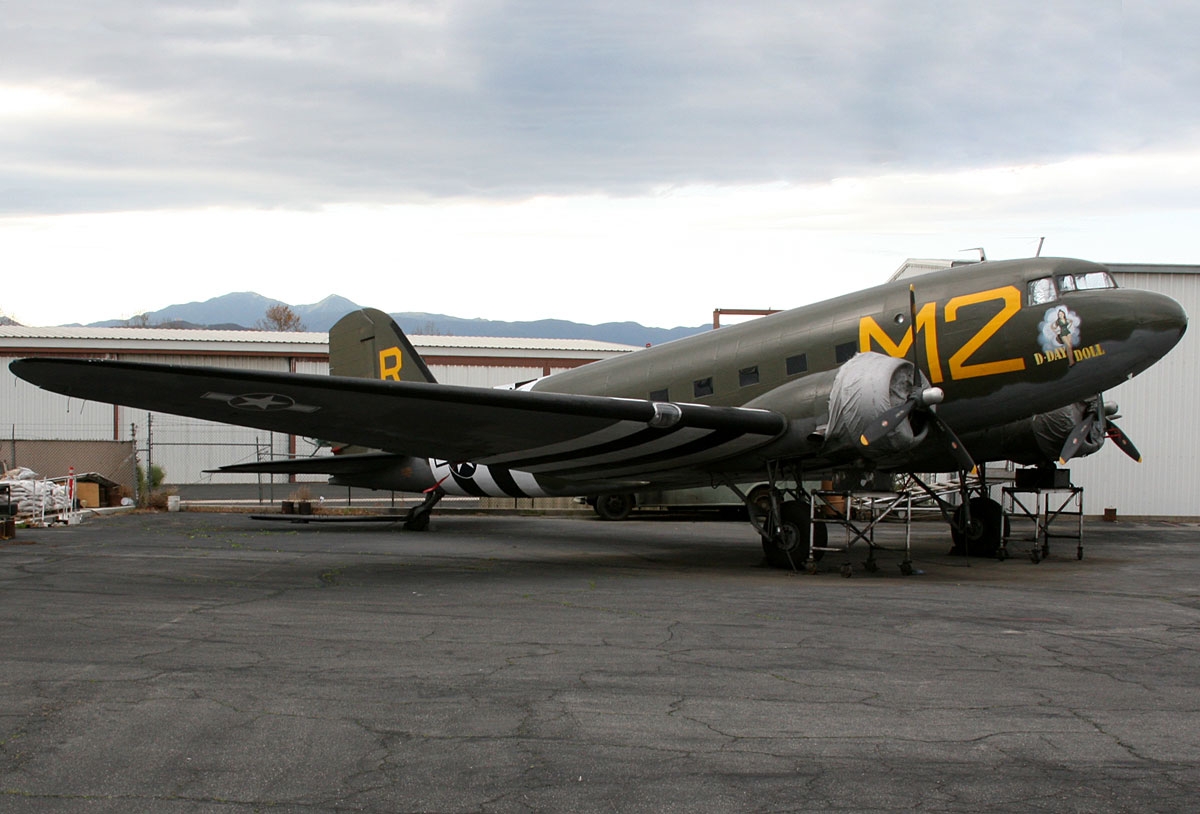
(484, 375)
(1158, 411)
(35, 413)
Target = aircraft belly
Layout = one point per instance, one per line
(473, 480)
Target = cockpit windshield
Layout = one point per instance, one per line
(1049, 289)
(1093, 279)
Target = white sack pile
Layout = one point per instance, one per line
(32, 495)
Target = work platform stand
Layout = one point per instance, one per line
(835, 507)
(1046, 509)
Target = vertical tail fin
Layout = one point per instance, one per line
(368, 344)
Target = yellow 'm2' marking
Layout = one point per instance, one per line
(869, 329)
(870, 333)
(959, 369)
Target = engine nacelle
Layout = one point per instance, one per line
(867, 386)
(1038, 439)
(828, 411)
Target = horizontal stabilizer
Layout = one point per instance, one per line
(324, 465)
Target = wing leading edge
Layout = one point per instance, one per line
(552, 434)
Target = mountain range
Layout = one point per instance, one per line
(246, 310)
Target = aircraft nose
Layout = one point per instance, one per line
(1164, 315)
(1161, 322)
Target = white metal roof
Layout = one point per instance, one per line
(517, 343)
(136, 335)
(107, 339)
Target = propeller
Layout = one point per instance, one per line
(1097, 417)
(920, 398)
(1118, 437)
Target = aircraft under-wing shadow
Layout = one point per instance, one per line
(982, 362)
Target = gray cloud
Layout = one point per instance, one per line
(277, 103)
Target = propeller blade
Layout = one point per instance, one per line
(1075, 440)
(887, 422)
(963, 458)
(1118, 437)
(912, 323)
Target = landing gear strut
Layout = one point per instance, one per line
(788, 545)
(781, 516)
(976, 523)
(978, 529)
(418, 516)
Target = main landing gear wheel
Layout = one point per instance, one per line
(983, 537)
(614, 507)
(789, 548)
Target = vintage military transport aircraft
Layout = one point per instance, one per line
(982, 362)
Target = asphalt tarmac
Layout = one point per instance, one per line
(202, 662)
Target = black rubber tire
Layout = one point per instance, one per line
(987, 527)
(614, 507)
(760, 501)
(794, 515)
(418, 522)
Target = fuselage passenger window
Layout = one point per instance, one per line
(703, 387)
(748, 376)
(659, 395)
(797, 364)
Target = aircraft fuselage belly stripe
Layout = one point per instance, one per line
(565, 449)
(503, 481)
(617, 446)
(467, 486)
(637, 445)
(703, 446)
(486, 481)
(527, 483)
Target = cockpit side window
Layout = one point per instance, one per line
(1066, 283)
(1042, 290)
(1093, 280)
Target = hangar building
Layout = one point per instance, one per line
(1155, 407)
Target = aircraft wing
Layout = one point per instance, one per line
(555, 434)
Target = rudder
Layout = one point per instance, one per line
(368, 344)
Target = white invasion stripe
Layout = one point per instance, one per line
(528, 483)
(451, 487)
(619, 430)
(441, 472)
(484, 480)
(661, 444)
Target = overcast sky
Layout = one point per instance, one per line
(594, 161)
